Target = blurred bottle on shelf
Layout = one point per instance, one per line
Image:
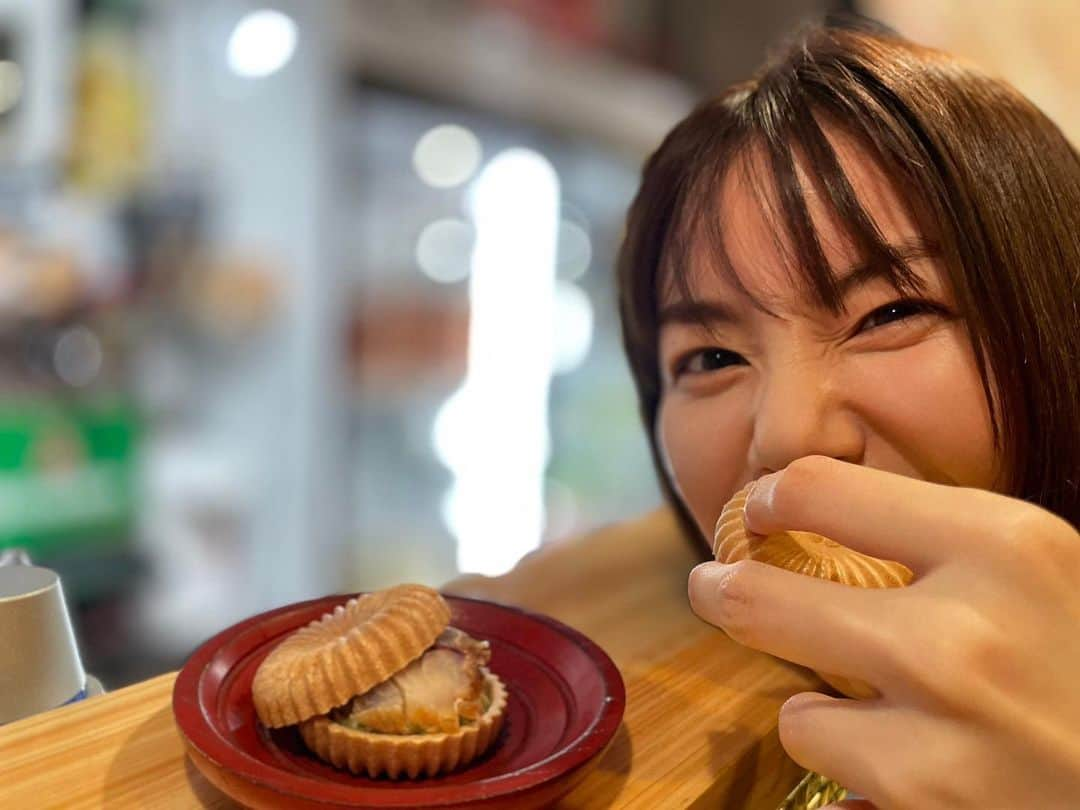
(110, 115)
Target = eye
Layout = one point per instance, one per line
(897, 311)
(702, 361)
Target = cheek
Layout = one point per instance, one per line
(927, 405)
(703, 443)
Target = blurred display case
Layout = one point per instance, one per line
(235, 296)
(410, 247)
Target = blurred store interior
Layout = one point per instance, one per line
(307, 297)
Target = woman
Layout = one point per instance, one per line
(854, 280)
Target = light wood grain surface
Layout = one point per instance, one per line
(700, 728)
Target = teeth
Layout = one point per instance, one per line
(346, 652)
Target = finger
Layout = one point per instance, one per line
(851, 804)
(876, 512)
(823, 625)
(853, 742)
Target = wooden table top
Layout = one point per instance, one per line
(700, 728)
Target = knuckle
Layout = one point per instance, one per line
(918, 660)
(1033, 537)
(976, 652)
(982, 646)
(891, 655)
(1053, 539)
(1025, 526)
(799, 478)
(959, 669)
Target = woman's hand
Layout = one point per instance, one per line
(977, 661)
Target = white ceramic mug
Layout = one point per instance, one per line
(40, 667)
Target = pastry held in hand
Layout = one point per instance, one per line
(810, 554)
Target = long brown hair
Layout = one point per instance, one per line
(992, 181)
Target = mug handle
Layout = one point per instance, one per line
(15, 556)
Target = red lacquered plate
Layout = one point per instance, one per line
(566, 701)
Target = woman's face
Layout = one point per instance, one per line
(886, 384)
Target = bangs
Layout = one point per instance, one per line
(773, 131)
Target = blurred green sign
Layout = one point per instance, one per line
(66, 473)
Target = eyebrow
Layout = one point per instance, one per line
(698, 312)
(862, 274)
(859, 275)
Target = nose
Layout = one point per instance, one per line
(800, 411)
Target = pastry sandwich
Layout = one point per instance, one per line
(810, 554)
(383, 686)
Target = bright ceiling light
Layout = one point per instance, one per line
(262, 43)
(573, 326)
(493, 432)
(575, 250)
(446, 156)
(444, 250)
(77, 356)
(11, 85)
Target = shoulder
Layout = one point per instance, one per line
(610, 557)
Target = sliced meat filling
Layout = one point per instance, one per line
(439, 692)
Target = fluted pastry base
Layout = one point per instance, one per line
(406, 755)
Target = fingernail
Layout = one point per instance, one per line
(759, 499)
(697, 572)
(692, 585)
(698, 581)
